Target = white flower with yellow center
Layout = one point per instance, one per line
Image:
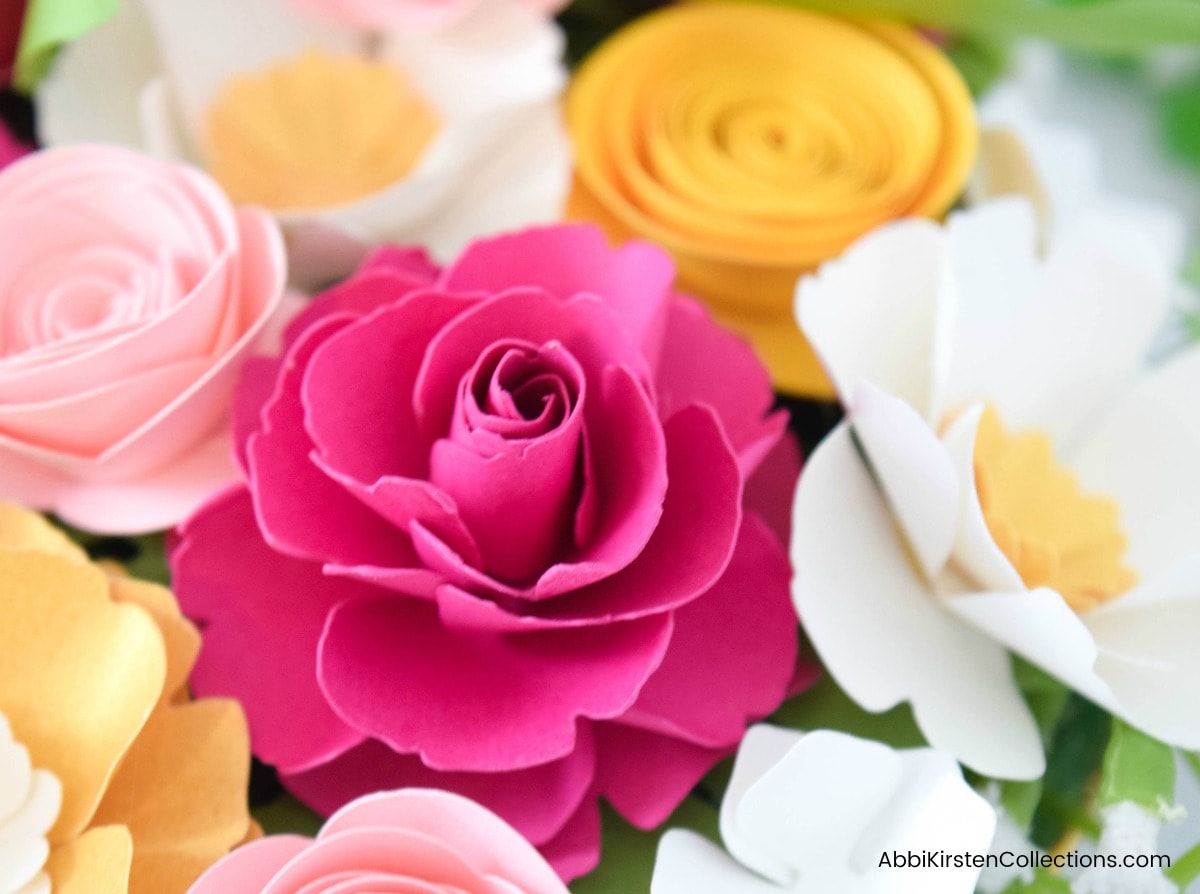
(996, 486)
(30, 800)
(351, 137)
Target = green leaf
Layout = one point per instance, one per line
(825, 706)
(1179, 121)
(1106, 26)
(1046, 697)
(49, 24)
(981, 61)
(1073, 758)
(1137, 768)
(287, 815)
(627, 855)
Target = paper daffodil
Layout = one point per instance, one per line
(755, 141)
(992, 489)
(350, 136)
(824, 811)
(111, 779)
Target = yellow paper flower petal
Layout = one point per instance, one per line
(97, 862)
(79, 675)
(181, 639)
(755, 142)
(181, 791)
(21, 529)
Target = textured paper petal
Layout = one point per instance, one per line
(477, 835)
(65, 643)
(1070, 319)
(438, 693)
(97, 862)
(22, 529)
(688, 863)
(181, 793)
(270, 639)
(884, 635)
(873, 315)
(701, 362)
(251, 868)
(913, 470)
(180, 639)
(705, 691)
(1142, 454)
(563, 785)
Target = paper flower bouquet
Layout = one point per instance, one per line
(520, 447)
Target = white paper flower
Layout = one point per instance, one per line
(913, 578)
(820, 813)
(1129, 831)
(351, 137)
(29, 803)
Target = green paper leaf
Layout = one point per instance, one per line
(981, 61)
(1179, 121)
(1137, 768)
(1106, 26)
(1043, 883)
(1075, 754)
(1046, 697)
(286, 815)
(627, 855)
(48, 25)
(825, 706)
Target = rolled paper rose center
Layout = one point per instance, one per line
(1055, 535)
(30, 800)
(755, 142)
(513, 459)
(315, 131)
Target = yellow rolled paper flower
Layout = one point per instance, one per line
(112, 779)
(755, 142)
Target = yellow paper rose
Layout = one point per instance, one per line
(106, 764)
(757, 141)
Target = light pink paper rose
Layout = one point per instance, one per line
(502, 533)
(130, 293)
(414, 840)
(406, 15)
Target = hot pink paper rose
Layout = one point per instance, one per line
(10, 147)
(130, 293)
(493, 539)
(407, 15)
(415, 840)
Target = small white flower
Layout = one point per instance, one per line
(820, 812)
(1128, 830)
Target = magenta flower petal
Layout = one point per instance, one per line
(699, 691)
(561, 785)
(634, 280)
(392, 670)
(575, 850)
(645, 775)
(247, 653)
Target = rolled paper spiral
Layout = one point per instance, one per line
(756, 141)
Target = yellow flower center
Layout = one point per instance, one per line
(315, 131)
(1054, 534)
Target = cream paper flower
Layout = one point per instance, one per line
(825, 811)
(352, 137)
(1000, 483)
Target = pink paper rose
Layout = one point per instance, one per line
(493, 539)
(130, 292)
(407, 15)
(414, 840)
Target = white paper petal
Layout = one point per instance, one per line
(874, 313)
(884, 636)
(1048, 344)
(1040, 626)
(914, 471)
(975, 553)
(203, 43)
(1145, 454)
(91, 94)
(1148, 654)
(688, 863)
(762, 748)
